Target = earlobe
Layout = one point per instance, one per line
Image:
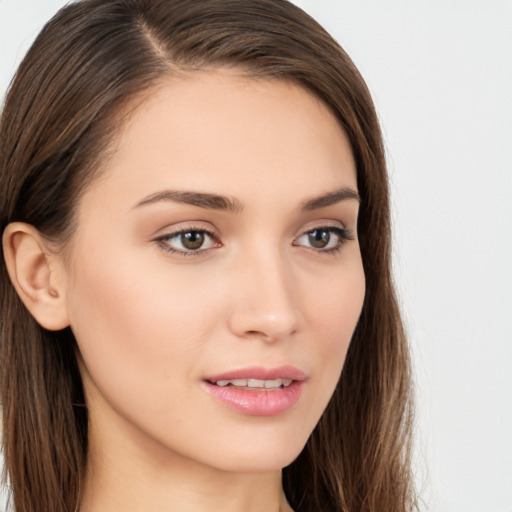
(35, 273)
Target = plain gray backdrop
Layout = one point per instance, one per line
(441, 76)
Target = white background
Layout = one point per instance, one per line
(441, 76)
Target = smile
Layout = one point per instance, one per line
(254, 384)
(258, 391)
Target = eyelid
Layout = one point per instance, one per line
(184, 226)
(343, 234)
(321, 223)
(170, 233)
(328, 224)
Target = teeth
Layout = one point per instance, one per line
(238, 382)
(255, 383)
(278, 383)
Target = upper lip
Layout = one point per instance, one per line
(260, 373)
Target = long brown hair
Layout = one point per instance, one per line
(62, 111)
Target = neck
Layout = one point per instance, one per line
(109, 488)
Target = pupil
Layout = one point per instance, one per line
(319, 238)
(192, 240)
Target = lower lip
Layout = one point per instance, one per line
(258, 403)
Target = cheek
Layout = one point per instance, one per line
(133, 323)
(334, 316)
(142, 334)
(335, 307)
(332, 312)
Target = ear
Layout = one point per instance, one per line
(37, 275)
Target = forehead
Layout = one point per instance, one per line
(220, 132)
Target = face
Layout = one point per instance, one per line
(214, 280)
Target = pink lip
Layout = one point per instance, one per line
(258, 403)
(261, 373)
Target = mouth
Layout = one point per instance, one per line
(258, 391)
(254, 384)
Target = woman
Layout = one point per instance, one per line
(197, 307)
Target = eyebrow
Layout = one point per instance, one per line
(223, 203)
(330, 198)
(201, 199)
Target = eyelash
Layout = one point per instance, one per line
(343, 235)
(163, 241)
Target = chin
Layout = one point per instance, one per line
(259, 455)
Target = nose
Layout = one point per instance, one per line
(265, 301)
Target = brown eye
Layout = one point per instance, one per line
(192, 240)
(188, 241)
(319, 238)
(328, 239)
